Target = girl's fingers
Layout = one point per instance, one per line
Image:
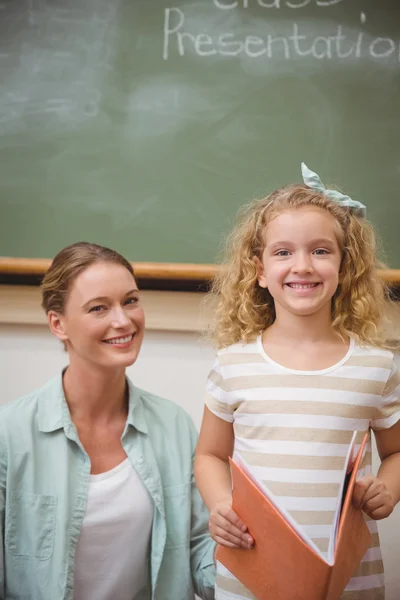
(360, 490)
(382, 512)
(223, 542)
(222, 527)
(379, 506)
(227, 539)
(231, 533)
(227, 528)
(234, 518)
(373, 503)
(226, 512)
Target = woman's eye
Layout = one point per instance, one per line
(98, 308)
(132, 301)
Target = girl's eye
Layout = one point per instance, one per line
(320, 251)
(282, 253)
(98, 308)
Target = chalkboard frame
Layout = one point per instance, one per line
(150, 276)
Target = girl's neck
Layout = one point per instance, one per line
(95, 394)
(302, 329)
(304, 344)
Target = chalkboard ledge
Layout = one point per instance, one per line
(150, 276)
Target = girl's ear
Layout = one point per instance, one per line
(261, 277)
(57, 325)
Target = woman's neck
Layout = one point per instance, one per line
(95, 394)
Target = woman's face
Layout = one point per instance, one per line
(103, 321)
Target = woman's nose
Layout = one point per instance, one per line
(119, 318)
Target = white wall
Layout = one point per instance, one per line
(173, 365)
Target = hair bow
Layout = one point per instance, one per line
(313, 181)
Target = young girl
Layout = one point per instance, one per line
(301, 365)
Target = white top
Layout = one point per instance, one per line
(111, 561)
(294, 427)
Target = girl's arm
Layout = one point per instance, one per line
(213, 479)
(377, 496)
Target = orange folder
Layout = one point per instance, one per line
(284, 564)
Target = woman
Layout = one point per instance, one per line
(97, 495)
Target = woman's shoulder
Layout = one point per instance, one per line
(169, 426)
(159, 407)
(21, 411)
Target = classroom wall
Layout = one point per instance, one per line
(174, 365)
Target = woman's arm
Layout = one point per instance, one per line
(202, 547)
(213, 479)
(3, 469)
(377, 496)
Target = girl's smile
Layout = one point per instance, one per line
(302, 286)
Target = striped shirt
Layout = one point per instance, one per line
(294, 428)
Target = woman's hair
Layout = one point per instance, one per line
(243, 308)
(67, 265)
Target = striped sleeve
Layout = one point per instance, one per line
(217, 397)
(388, 413)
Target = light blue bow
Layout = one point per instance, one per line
(313, 181)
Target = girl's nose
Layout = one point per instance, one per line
(303, 264)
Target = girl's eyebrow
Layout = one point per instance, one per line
(279, 245)
(322, 241)
(316, 242)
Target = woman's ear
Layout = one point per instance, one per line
(262, 280)
(57, 325)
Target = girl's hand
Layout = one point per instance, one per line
(373, 497)
(227, 529)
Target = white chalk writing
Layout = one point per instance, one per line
(294, 42)
(230, 4)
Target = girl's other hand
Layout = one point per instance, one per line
(226, 527)
(373, 497)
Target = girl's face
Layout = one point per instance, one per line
(103, 321)
(301, 261)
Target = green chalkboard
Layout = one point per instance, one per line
(144, 124)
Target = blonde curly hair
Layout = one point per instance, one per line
(243, 308)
